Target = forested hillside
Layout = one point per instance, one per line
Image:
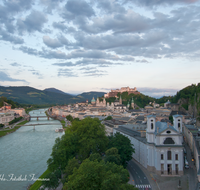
(189, 99)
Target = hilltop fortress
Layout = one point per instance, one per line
(114, 93)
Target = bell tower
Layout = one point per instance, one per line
(177, 120)
(151, 127)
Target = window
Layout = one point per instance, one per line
(152, 124)
(176, 157)
(168, 132)
(169, 140)
(161, 157)
(169, 155)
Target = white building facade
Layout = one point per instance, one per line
(162, 150)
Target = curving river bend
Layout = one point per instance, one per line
(23, 154)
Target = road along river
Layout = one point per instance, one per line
(23, 154)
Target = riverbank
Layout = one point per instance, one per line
(38, 183)
(62, 121)
(5, 132)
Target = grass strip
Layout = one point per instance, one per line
(38, 184)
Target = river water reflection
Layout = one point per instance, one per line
(23, 154)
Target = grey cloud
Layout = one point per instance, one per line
(34, 72)
(53, 43)
(67, 64)
(17, 6)
(5, 77)
(85, 62)
(99, 62)
(61, 26)
(63, 40)
(108, 41)
(93, 72)
(44, 53)
(118, 23)
(96, 54)
(66, 73)
(79, 7)
(110, 6)
(142, 61)
(51, 4)
(33, 22)
(28, 50)
(5, 36)
(15, 64)
(52, 54)
(157, 2)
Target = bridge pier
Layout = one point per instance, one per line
(33, 127)
(37, 118)
(48, 118)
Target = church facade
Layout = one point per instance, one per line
(162, 150)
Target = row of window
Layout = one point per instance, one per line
(169, 156)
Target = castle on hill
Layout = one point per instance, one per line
(114, 93)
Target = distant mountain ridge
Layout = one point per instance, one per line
(57, 91)
(52, 96)
(90, 95)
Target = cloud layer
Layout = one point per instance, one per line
(86, 37)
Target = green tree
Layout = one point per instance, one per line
(91, 136)
(108, 118)
(63, 150)
(99, 176)
(95, 156)
(53, 181)
(72, 163)
(112, 156)
(124, 146)
(69, 118)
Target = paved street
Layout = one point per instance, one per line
(157, 182)
(191, 172)
(138, 179)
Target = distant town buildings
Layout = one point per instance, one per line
(7, 114)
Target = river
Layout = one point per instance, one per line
(24, 153)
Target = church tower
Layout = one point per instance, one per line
(104, 102)
(132, 103)
(120, 100)
(177, 120)
(151, 127)
(97, 102)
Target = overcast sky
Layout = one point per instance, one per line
(97, 45)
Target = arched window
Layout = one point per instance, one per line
(152, 124)
(179, 125)
(169, 155)
(169, 140)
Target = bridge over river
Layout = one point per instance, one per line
(30, 117)
(37, 124)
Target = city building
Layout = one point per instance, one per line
(161, 150)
